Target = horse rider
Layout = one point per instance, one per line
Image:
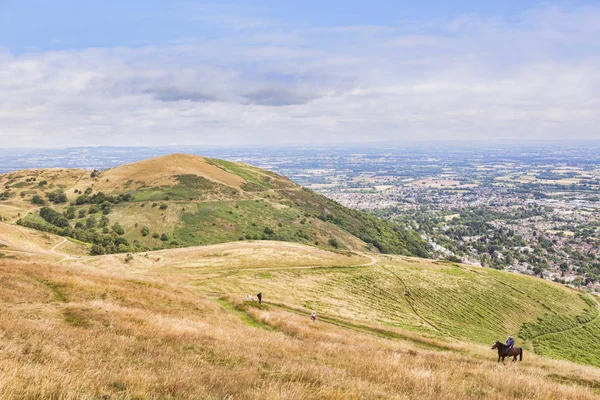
(510, 342)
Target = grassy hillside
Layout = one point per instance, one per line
(181, 200)
(81, 331)
(436, 299)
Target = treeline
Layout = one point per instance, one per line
(101, 198)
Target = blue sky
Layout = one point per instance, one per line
(241, 72)
(60, 24)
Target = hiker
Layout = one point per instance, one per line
(510, 342)
(259, 296)
(313, 316)
(250, 297)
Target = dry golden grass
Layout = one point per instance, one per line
(68, 333)
(26, 243)
(160, 171)
(188, 264)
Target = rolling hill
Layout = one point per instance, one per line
(170, 318)
(182, 200)
(175, 324)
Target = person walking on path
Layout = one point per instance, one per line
(259, 296)
(313, 316)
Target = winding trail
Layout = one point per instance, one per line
(53, 249)
(64, 255)
(568, 329)
(412, 307)
(24, 215)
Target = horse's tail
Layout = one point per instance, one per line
(521, 354)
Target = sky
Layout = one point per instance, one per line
(258, 73)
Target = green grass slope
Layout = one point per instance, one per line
(436, 299)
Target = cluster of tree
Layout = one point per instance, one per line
(101, 198)
(7, 194)
(57, 197)
(105, 242)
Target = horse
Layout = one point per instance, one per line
(504, 351)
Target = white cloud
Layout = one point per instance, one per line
(534, 76)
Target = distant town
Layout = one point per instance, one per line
(532, 209)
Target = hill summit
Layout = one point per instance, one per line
(184, 200)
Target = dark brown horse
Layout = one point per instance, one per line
(504, 351)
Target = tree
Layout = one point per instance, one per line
(81, 213)
(333, 242)
(118, 229)
(90, 222)
(70, 213)
(97, 250)
(57, 197)
(37, 199)
(104, 221)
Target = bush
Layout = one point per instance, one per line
(164, 237)
(155, 235)
(90, 222)
(145, 231)
(57, 197)
(70, 213)
(97, 250)
(334, 243)
(118, 229)
(37, 199)
(163, 206)
(81, 213)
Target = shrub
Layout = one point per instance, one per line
(334, 243)
(97, 250)
(163, 206)
(164, 237)
(155, 235)
(145, 231)
(37, 199)
(57, 197)
(90, 222)
(118, 229)
(70, 213)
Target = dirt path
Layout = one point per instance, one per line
(66, 256)
(412, 307)
(24, 215)
(566, 330)
(53, 249)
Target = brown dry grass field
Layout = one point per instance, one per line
(101, 328)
